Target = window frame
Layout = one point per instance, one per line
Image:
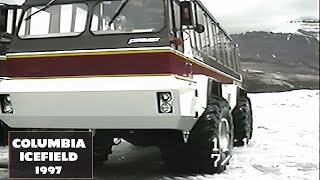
(52, 35)
(206, 34)
(198, 11)
(193, 34)
(212, 39)
(11, 19)
(165, 22)
(222, 52)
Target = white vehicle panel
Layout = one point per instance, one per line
(130, 103)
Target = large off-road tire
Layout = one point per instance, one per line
(243, 121)
(102, 148)
(210, 144)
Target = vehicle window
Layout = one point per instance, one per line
(136, 16)
(199, 17)
(8, 20)
(56, 21)
(192, 32)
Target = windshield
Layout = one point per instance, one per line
(54, 21)
(136, 16)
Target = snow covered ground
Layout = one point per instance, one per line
(285, 145)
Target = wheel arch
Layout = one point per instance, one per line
(242, 92)
(230, 92)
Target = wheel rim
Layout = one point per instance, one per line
(224, 137)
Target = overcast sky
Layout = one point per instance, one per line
(238, 16)
(248, 15)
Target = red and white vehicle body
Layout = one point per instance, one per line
(126, 98)
(154, 72)
(57, 82)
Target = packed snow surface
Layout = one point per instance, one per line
(285, 146)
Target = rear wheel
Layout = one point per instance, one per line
(243, 122)
(210, 144)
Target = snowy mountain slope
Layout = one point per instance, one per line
(285, 145)
(272, 77)
(305, 27)
(290, 61)
(289, 49)
(286, 58)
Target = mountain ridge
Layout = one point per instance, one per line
(278, 61)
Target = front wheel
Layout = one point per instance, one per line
(210, 144)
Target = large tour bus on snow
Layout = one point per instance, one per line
(152, 72)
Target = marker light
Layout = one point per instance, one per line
(165, 103)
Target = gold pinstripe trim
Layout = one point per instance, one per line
(87, 53)
(94, 76)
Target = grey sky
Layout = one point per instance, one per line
(238, 16)
(249, 15)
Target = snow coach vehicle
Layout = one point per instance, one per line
(153, 72)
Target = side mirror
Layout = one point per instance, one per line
(186, 13)
(200, 28)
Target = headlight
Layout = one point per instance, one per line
(6, 104)
(166, 97)
(8, 98)
(165, 108)
(8, 109)
(165, 102)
